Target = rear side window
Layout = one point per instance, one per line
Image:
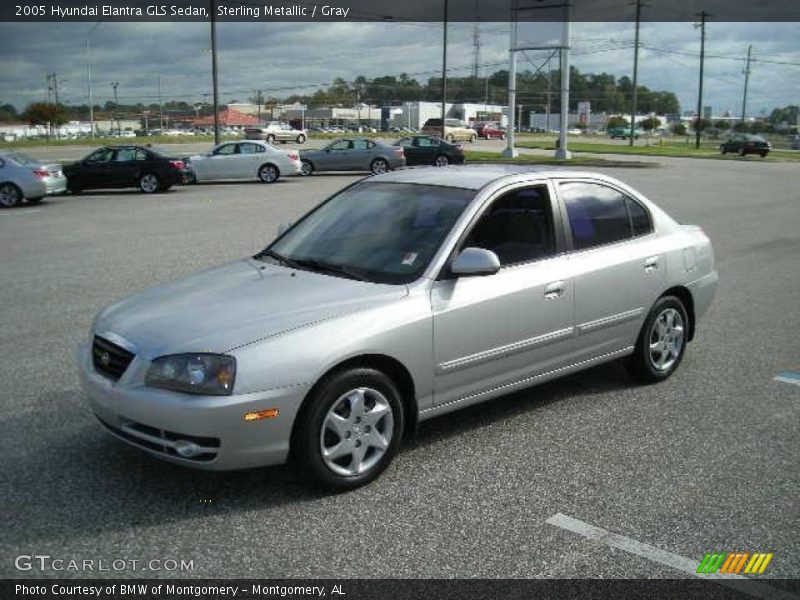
(433, 123)
(597, 214)
(640, 219)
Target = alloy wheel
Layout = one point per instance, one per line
(9, 195)
(666, 339)
(148, 183)
(441, 161)
(268, 174)
(379, 166)
(356, 431)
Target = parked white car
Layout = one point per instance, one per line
(25, 178)
(244, 160)
(275, 131)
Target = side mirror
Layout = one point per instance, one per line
(475, 261)
(284, 227)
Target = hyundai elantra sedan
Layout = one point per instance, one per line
(402, 297)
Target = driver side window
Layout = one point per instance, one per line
(518, 227)
(341, 145)
(226, 150)
(100, 156)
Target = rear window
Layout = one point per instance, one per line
(433, 123)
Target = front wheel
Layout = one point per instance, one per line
(379, 166)
(662, 341)
(149, 183)
(723, 150)
(10, 195)
(306, 168)
(763, 154)
(270, 139)
(473, 139)
(441, 161)
(350, 429)
(742, 152)
(301, 139)
(268, 173)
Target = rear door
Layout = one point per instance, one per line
(615, 261)
(250, 158)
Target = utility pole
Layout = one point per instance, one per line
(444, 68)
(703, 16)
(115, 85)
(746, 81)
(160, 107)
(54, 78)
(635, 72)
(214, 68)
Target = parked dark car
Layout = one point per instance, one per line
(430, 150)
(489, 131)
(125, 167)
(745, 143)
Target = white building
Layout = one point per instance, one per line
(413, 115)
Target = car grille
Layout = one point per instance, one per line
(109, 359)
(164, 442)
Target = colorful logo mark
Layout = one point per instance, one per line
(733, 562)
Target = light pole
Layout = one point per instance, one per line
(444, 70)
(510, 150)
(115, 85)
(214, 69)
(562, 152)
(89, 74)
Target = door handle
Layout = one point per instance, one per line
(650, 264)
(554, 290)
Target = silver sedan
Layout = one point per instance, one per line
(25, 178)
(402, 297)
(244, 160)
(353, 154)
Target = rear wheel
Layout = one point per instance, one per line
(268, 173)
(10, 195)
(763, 154)
(270, 139)
(742, 152)
(378, 166)
(662, 341)
(441, 161)
(473, 139)
(149, 183)
(723, 150)
(350, 429)
(449, 138)
(301, 139)
(306, 168)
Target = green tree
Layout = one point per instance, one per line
(45, 113)
(679, 129)
(651, 123)
(701, 124)
(616, 122)
(8, 113)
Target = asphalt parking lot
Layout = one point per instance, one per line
(707, 461)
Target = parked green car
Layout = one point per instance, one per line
(623, 133)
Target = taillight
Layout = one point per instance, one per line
(399, 152)
(177, 164)
(41, 173)
(293, 156)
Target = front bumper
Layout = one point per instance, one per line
(155, 420)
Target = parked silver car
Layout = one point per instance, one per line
(25, 178)
(244, 160)
(353, 154)
(400, 298)
(275, 131)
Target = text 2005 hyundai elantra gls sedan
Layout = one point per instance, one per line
(403, 297)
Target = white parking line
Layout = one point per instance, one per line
(20, 212)
(675, 561)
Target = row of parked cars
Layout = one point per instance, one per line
(23, 178)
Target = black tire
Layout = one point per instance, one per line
(74, 188)
(301, 139)
(763, 154)
(723, 150)
(473, 139)
(641, 363)
(306, 167)
(270, 139)
(268, 173)
(449, 138)
(307, 443)
(441, 160)
(10, 195)
(149, 183)
(742, 152)
(379, 166)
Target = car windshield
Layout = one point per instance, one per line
(379, 232)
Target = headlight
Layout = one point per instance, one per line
(205, 374)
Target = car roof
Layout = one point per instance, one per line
(471, 177)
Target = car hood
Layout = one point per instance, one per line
(227, 307)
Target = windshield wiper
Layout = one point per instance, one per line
(288, 262)
(317, 265)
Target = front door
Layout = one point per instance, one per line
(493, 331)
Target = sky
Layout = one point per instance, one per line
(284, 58)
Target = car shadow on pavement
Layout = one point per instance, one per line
(68, 478)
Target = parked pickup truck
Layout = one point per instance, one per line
(275, 131)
